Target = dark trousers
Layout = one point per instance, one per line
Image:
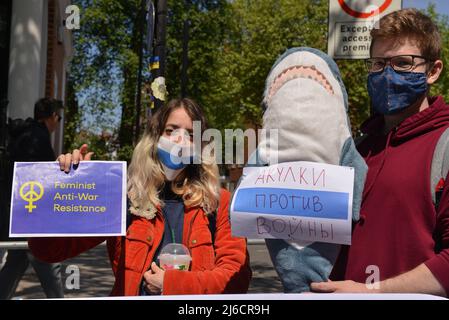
(16, 264)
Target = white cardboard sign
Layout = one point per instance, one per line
(300, 200)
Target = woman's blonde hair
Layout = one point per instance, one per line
(198, 184)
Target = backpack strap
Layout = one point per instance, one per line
(440, 167)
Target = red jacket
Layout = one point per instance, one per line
(225, 270)
(399, 228)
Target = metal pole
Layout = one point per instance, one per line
(185, 52)
(255, 241)
(159, 49)
(14, 245)
(139, 75)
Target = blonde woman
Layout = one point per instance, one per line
(169, 201)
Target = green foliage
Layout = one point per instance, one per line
(442, 85)
(208, 24)
(104, 145)
(104, 72)
(258, 32)
(232, 46)
(71, 118)
(255, 34)
(354, 75)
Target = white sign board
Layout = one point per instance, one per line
(296, 201)
(350, 23)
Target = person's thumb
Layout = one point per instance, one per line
(83, 149)
(88, 156)
(85, 155)
(155, 268)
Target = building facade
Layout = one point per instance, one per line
(35, 51)
(40, 49)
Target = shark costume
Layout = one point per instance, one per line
(306, 101)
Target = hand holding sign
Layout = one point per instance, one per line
(75, 157)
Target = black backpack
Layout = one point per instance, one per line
(14, 129)
(440, 167)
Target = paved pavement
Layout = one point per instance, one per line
(96, 277)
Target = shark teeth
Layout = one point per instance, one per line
(295, 72)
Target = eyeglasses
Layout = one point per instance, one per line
(400, 63)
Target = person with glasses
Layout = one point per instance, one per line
(401, 242)
(30, 141)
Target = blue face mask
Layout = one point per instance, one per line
(174, 157)
(392, 92)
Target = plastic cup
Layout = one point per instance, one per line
(174, 256)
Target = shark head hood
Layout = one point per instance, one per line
(306, 103)
(306, 119)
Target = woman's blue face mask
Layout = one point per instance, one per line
(174, 157)
(391, 91)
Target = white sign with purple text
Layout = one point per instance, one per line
(300, 200)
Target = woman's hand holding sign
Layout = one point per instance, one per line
(82, 154)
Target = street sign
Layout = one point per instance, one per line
(350, 23)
